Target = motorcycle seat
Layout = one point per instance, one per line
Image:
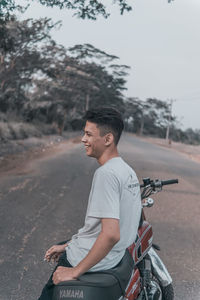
(107, 285)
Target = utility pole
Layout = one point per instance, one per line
(169, 120)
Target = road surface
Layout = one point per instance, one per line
(45, 201)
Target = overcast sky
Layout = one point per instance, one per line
(160, 41)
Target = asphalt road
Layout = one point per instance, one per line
(45, 202)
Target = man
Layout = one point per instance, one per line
(114, 206)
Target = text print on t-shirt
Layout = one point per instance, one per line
(131, 184)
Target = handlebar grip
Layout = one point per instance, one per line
(170, 181)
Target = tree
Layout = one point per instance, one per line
(100, 79)
(6, 7)
(79, 78)
(133, 114)
(148, 117)
(84, 9)
(188, 136)
(42, 80)
(20, 59)
(156, 118)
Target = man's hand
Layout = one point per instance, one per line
(54, 252)
(63, 274)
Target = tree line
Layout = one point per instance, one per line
(82, 8)
(43, 82)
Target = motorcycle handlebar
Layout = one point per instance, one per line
(170, 181)
(157, 183)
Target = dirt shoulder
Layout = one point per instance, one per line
(15, 155)
(190, 151)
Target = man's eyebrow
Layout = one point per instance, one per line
(87, 131)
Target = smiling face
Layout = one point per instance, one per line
(94, 143)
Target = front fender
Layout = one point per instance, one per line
(158, 268)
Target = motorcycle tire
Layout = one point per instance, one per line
(167, 292)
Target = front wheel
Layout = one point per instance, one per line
(167, 292)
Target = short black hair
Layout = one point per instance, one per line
(108, 119)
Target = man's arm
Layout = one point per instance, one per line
(108, 237)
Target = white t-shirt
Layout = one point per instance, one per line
(115, 193)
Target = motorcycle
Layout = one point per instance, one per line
(140, 275)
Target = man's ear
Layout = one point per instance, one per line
(109, 139)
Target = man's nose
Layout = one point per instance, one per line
(83, 140)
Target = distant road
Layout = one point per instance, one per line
(46, 202)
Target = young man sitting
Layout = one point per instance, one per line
(114, 206)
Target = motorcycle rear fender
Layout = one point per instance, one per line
(158, 268)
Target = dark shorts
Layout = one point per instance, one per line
(47, 292)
